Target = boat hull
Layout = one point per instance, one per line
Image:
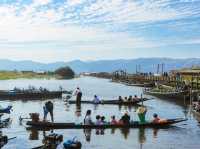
(172, 95)
(46, 125)
(30, 95)
(111, 102)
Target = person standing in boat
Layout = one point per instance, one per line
(141, 111)
(78, 95)
(48, 108)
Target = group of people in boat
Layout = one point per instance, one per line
(128, 99)
(100, 120)
(124, 120)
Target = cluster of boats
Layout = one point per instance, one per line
(38, 124)
(31, 94)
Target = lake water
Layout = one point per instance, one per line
(185, 135)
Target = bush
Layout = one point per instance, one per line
(65, 72)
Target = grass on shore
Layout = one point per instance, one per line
(6, 75)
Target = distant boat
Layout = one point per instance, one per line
(168, 94)
(30, 95)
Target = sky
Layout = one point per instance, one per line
(65, 30)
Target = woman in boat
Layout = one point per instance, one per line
(125, 99)
(103, 122)
(96, 99)
(120, 99)
(88, 119)
(113, 120)
(125, 119)
(135, 98)
(98, 120)
(156, 119)
(141, 111)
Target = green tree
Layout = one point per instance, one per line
(65, 72)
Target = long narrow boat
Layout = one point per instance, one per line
(170, 95)
(30, 95)
(111, 102)
(140, 84)
(135, 124)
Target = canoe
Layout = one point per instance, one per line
(135, 124)
(169, 95)
(6, 110)
(30, 95)
(111, 102)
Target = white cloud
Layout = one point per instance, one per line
(72, 30)
(75, 2)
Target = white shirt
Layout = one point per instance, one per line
(87, 120)
(96, 100)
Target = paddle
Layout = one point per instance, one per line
(25, 118)
(12, 138)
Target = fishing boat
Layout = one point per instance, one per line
(134, 124)
(29, 95)
(111, 102)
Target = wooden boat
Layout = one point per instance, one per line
(29, 95)
(6, 110)
(5, 122)
(135, 124)
(169, 95)
(140, 84)
(111, 102)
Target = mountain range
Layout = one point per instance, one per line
(142, 64)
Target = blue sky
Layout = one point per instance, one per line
(64, 30)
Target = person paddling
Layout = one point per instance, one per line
(48, 108)
(125, 119)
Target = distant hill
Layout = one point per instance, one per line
(147, 65)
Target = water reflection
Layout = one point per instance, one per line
(88, 133)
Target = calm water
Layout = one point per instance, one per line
(185, 135)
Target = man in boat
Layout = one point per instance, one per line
(120, 99)
(48, 108)
(130, 98)
(125, 119)
(96, 99)
(78, 95)
(88, 119)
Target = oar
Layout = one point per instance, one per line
(25, 118)
(12, 138)
(39, 147)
